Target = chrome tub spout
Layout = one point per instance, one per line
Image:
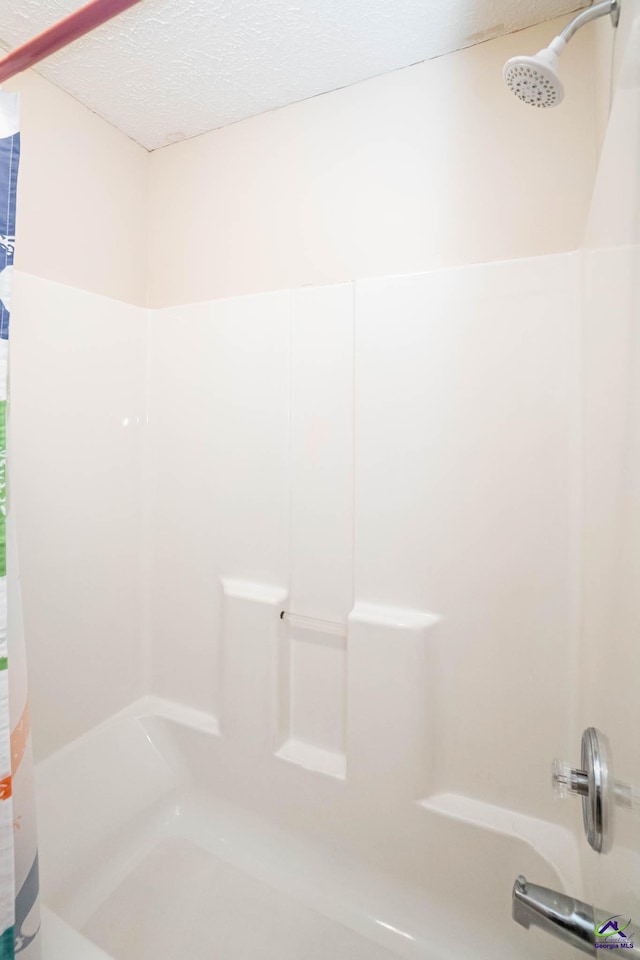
(564, 917)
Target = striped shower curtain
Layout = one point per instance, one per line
(19, 915)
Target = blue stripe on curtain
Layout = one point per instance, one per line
(9, 157)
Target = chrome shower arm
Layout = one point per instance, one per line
(592, 13)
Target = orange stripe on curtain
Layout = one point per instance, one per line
(5, 788)
(19, 737)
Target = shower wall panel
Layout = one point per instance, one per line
(411, 486)
(313, 706)
(321, 372)
(77, 421)
(467, 417)
(219, 478)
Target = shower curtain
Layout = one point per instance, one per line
(19, 913)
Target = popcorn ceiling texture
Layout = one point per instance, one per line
(171, 69)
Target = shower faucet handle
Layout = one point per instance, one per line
(590, 782)
(593, 782)
(567, 781)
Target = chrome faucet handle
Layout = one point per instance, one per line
(590, 782)
(594, 784)
(567, 781)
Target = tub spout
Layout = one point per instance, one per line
(570, 920)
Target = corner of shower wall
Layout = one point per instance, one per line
(78, 416)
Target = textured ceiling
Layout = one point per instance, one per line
(171, 69)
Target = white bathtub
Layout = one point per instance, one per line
(159, 841)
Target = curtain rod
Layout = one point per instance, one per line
(83, 21)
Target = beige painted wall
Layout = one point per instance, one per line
(434, 165)
(82, 205)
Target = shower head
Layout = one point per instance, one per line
(535, 79)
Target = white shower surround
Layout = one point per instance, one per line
(344, 452)
(324, 785)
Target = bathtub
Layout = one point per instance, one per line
(160, 841)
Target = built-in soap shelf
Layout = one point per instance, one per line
(331, 696)
(312, 719)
